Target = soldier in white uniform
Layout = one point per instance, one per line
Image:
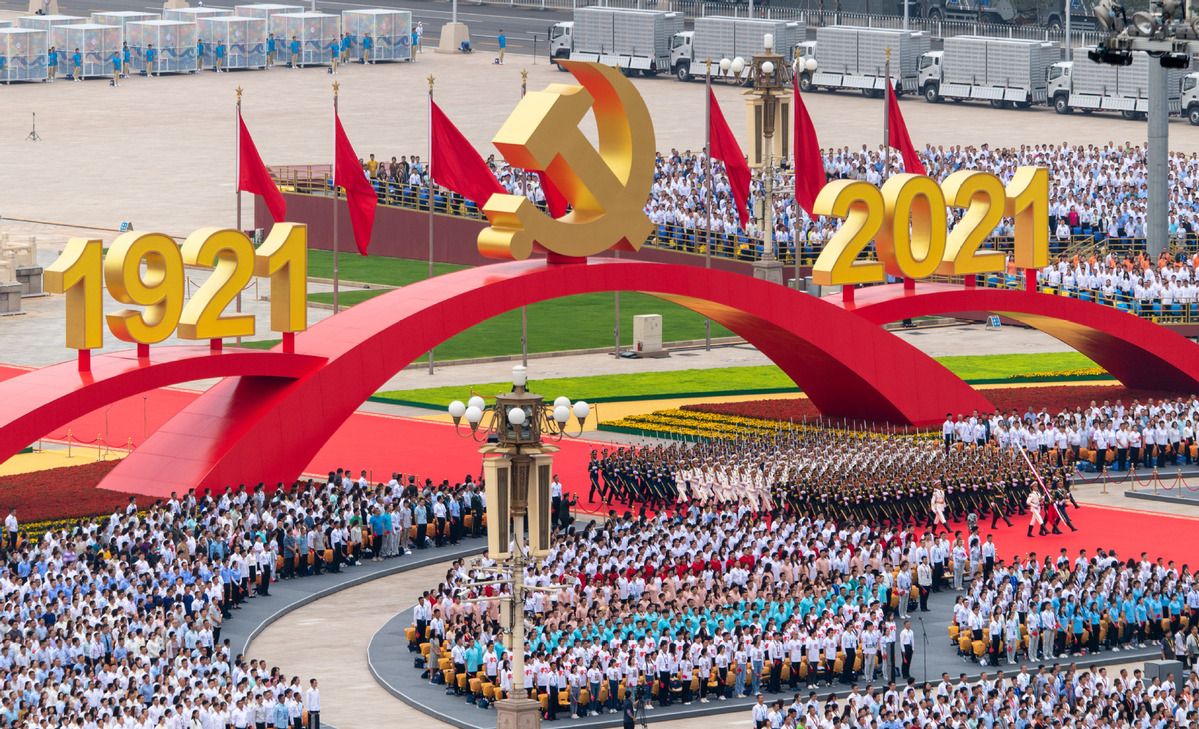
(1035, 519)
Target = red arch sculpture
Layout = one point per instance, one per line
(1137, 352)
(40, 401)
(268, 429)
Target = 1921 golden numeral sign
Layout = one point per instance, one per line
(159, 288)
(906, 219)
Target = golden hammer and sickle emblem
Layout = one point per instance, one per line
(607, 187)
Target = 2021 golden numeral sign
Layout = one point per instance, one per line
(906, 219)
(159, 287)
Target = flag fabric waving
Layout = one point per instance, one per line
(897, 136)
(725, 148)
(809, 164)
(454, 163)
(252, 175)
(360, 195)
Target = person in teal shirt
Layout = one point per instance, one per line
(52, 63)
(200, 55)
(77, 65)
(368, 45)
(219, 57)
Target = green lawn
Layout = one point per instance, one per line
(574, 322)
(710, 382)
(348, 298)
(998, 366)
(374, 269)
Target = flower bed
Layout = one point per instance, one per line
(45, 498)
(762, 417)
(691, 423)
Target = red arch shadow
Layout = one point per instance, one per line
(1137, 352)
(252, 427)
(40, 401)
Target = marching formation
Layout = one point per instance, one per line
(846, 476)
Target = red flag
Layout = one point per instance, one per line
(725, 148)
(554, 199)
(252, 175)
(897, 135)
(455, 165)
(809, 164)
(360, 195)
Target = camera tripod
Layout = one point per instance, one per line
(33, 135)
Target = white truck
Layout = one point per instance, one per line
(1006, 72)
(851, 57)
(1088, 86)
(1190, 98)
(716, 37)
(631, 40)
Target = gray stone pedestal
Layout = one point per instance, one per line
(1166, 669)
(771, 271)
(30, 278)
(10, 298)
(517, 714)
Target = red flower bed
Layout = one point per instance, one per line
(61, 493)
(1054, 398)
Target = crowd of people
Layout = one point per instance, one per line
(1165, 287)
(1051, 696)
(116, 623)
(1058, 607)
(724, 600)
(1097, 192)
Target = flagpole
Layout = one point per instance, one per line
(887, 117)
(524, 310)
(336, 272)
(429, 170)
(708, 201)
(237, 177)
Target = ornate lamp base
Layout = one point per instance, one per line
(771, 271)
(515, 713)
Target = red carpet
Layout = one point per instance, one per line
(381, 444)
(1128, 531)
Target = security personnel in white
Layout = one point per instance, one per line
(924, 580)
(871, 639)
(959, 555)
(948, 431)
(903, 590)
(907, 641)
(760, 713)
(849, 644)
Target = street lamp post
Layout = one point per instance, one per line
(1169, 34)
(769, 73)
(517, 471)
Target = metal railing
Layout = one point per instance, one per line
(1154, 310)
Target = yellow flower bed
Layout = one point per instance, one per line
(1081, 372)
(698, 424)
